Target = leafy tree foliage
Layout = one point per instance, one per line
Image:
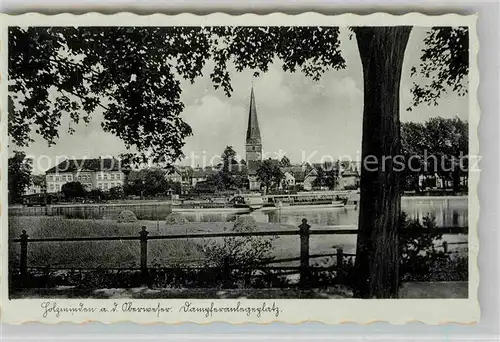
(422, 255)
(38, 180)
(239, 258)
(19, 174)
(270, 174)
(444, 63)
(438, 146)
(72, 190)
(131, 75)
(228, 157)
(326, 178)
(224, 177)
(96, 195)
(149, 182)
(116, 193)
(232, 174)
(413, 147)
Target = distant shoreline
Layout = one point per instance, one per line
(435, 197)
(168, 202)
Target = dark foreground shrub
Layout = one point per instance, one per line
(422, 257)
(241, 261)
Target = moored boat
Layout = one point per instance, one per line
(250, 201)
(209, 207)
(304, 201)
(310, 205)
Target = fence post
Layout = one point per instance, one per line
(304, 253)
(445, 247)
(144, 255)
(340, 263)
(23, 260)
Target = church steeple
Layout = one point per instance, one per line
(253, 131)
(253, 141)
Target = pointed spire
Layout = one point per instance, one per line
(253, 131)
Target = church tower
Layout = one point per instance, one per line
(253, 146)
(253, 141)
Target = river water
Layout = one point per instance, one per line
(448, 212)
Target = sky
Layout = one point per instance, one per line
(298, 117)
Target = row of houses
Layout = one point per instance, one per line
(106, 173)
(300, 176)
(96, 173)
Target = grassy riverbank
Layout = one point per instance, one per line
(164, 252)
(109, 253)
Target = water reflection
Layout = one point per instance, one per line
(446, 211)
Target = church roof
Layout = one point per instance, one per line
(253, 131)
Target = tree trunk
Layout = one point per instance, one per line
(456, 179)
(377, 255)
(417, 184)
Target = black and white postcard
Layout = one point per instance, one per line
(245, 169)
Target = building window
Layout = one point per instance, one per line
(70, 178)
(105, 176)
